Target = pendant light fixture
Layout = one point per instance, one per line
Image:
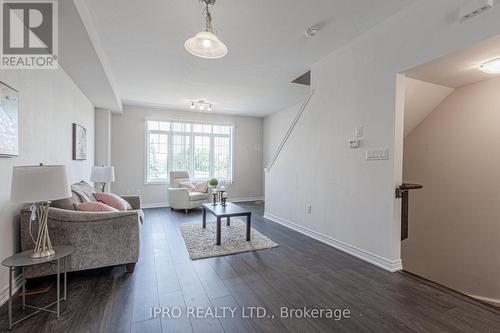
(205, 44)
(491, 66)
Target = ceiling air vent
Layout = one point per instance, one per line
(474, 8)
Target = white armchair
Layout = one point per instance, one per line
(180, 197)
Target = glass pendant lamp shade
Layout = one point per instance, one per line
(491, 67)
(206, 45)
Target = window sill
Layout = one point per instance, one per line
(194, 181)
(164, 182)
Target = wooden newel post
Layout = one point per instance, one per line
(403, 193)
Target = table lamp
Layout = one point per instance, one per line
(39, 185)
(102, 175)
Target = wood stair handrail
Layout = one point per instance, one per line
(402, 192)
(288, 132)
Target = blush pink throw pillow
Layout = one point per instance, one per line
(113, 200)
(92, 206)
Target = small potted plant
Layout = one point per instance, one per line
(213, 182)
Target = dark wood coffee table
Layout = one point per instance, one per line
(228, 211)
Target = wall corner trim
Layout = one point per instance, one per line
(389, 265)
(17, 283)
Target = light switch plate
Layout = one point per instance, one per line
(359, 132)
(377, 154)
(354, 143)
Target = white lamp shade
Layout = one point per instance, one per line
(206, 45)
(32, 184)
(102, 174)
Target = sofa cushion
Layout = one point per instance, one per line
(94, 207)
(68, 204)
(178, 176)
(113, 200)
(84, 191)
(195, 196)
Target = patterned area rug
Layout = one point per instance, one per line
(200, 242)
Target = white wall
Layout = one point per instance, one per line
(128, 145)
(353, 201)
(421, 98)
(275, 127)
(454, 220)
(49, 103)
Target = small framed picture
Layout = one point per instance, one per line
(79, 143)
(9, 121)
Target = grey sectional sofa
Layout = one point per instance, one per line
(101, 239)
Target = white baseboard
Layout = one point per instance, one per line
(16, 285)
(155, 205)
(492, 301)
(166, 204)
(246, 199)
(390, 265)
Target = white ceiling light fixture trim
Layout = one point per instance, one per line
(201, 105)
(311, 32)
(491, 66)
(206, 44)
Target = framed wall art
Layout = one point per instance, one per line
(79, 143)
(9, 121)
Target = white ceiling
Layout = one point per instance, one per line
(460, 68)
(427, 85)
(421, 98)
(143, 42)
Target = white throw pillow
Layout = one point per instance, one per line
(187, 185)
(201, 187)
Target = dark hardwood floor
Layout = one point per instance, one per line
(301, 272)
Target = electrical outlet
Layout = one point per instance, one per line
(377, 154)
(359, 132)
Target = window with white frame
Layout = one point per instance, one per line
(204, 150)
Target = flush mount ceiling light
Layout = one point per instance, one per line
(205, 44)
(491, 66)
(201, 105)
(311, 32)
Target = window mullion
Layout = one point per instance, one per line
(148, 155)
(191, 155)
(211, 158)
(170, 151)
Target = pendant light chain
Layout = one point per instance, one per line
(208, 19)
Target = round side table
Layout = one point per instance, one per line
(23, 259)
